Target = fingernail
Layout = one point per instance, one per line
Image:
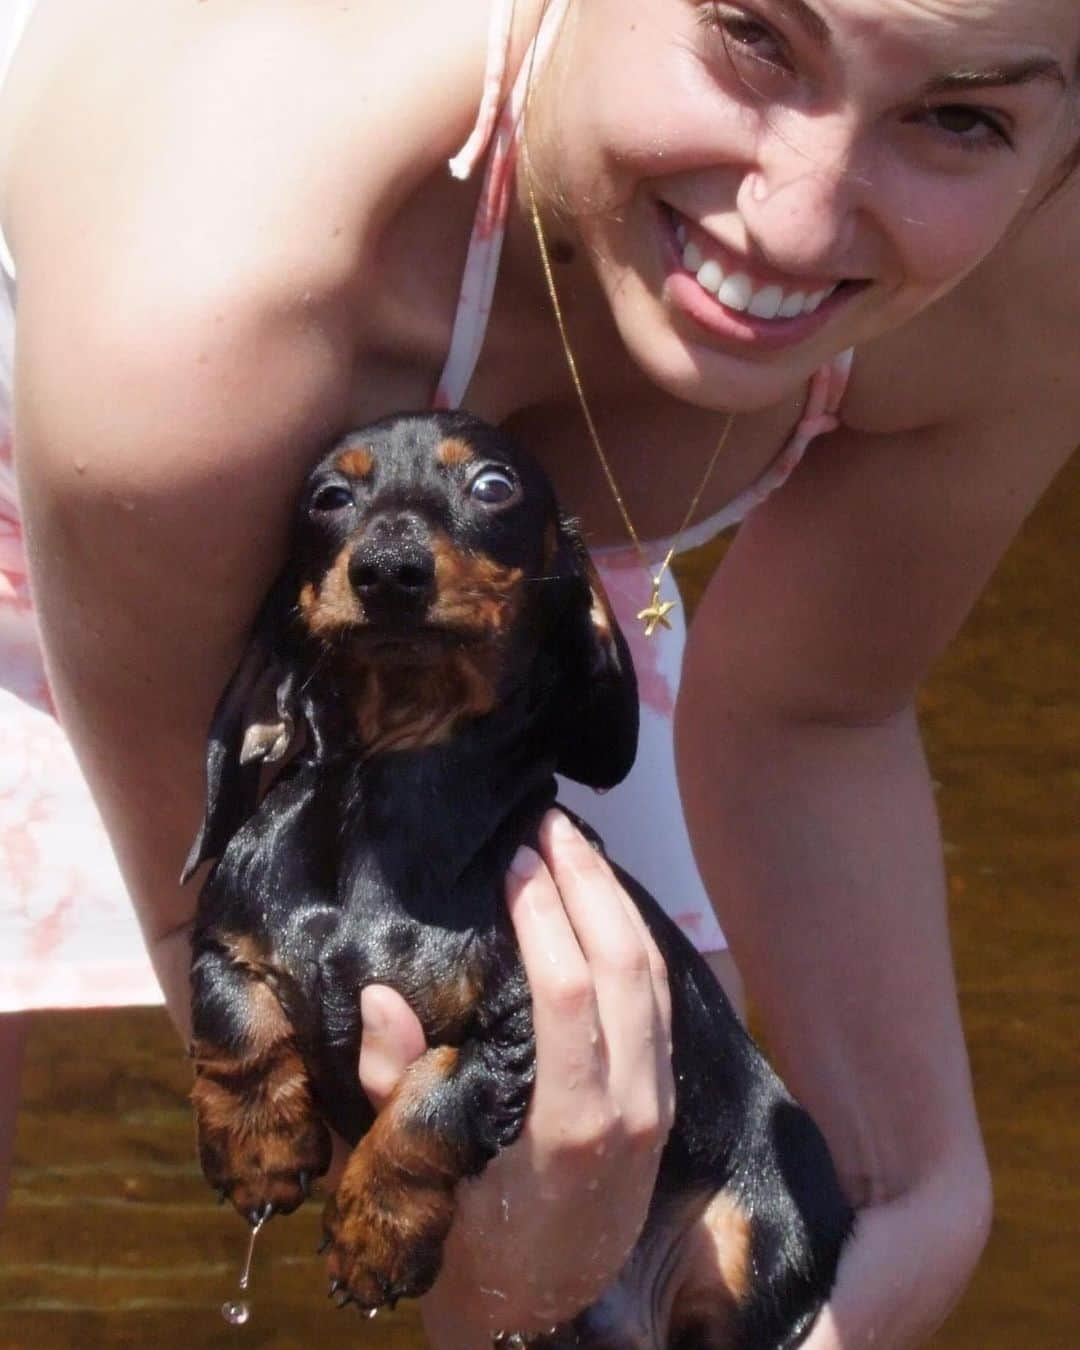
(372, 1015)
(525, 863)
(561, 828)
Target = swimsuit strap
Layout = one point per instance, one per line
(820, 416)
(489, 228)
(500, 27)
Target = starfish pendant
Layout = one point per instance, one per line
(656, 611)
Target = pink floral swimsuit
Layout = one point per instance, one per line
(68, 935)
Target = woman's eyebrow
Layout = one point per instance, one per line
(1011, 73)
(997, 77)
(1024, 71)
(807, 19)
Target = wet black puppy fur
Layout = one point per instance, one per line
(436, 648)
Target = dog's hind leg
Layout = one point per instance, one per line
(261, 1140)
(681, 1288)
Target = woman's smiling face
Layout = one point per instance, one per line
(763, 183)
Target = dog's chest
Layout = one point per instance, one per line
(408, 923)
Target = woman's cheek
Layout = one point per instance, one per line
(944, 231)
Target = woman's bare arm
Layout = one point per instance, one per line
(192, 322)
(815, 828)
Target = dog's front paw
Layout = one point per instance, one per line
(261, 1142)
(386, 1233)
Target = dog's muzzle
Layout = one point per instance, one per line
(392, 568)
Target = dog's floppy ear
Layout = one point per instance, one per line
(597, 712)
(254, 723)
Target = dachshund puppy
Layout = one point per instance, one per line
(436, 649)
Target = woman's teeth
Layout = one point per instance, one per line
(737, 291)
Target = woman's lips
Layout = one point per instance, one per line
(729, 301)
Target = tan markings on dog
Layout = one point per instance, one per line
(452, 452)
(244, 950)
(447, 1007)
(252, 1095)
(474, 593)
(402, 704)
(333, 604)
(393, 1207)
(714, 1274)
(260, 1138)
(356, 463)
(266, 1023)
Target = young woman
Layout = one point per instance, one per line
(236, 237)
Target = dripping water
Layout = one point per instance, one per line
(237, 1311)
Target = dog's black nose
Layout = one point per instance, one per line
(392, 567)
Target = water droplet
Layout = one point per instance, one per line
(237, 1311)
(245, 1274)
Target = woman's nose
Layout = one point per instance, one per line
(804, 198)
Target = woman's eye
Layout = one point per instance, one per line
(493, 487)
(331, 497)
(749, 37)
(968, 127)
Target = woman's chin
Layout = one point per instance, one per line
(708, 378)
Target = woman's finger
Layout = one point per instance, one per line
(590, 895)
(665, 1077)
(657, 964)
(569, 1046)
(392, 1039)
(598, 861)
(620, 954)
(661, 990)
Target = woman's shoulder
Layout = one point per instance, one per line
(1002, 344)
(234, 128)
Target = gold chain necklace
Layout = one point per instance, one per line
(656, 611)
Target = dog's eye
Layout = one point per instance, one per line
(331, 497)
(493, 487)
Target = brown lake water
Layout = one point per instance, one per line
(113, 1240)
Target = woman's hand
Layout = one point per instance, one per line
(601, 1109)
